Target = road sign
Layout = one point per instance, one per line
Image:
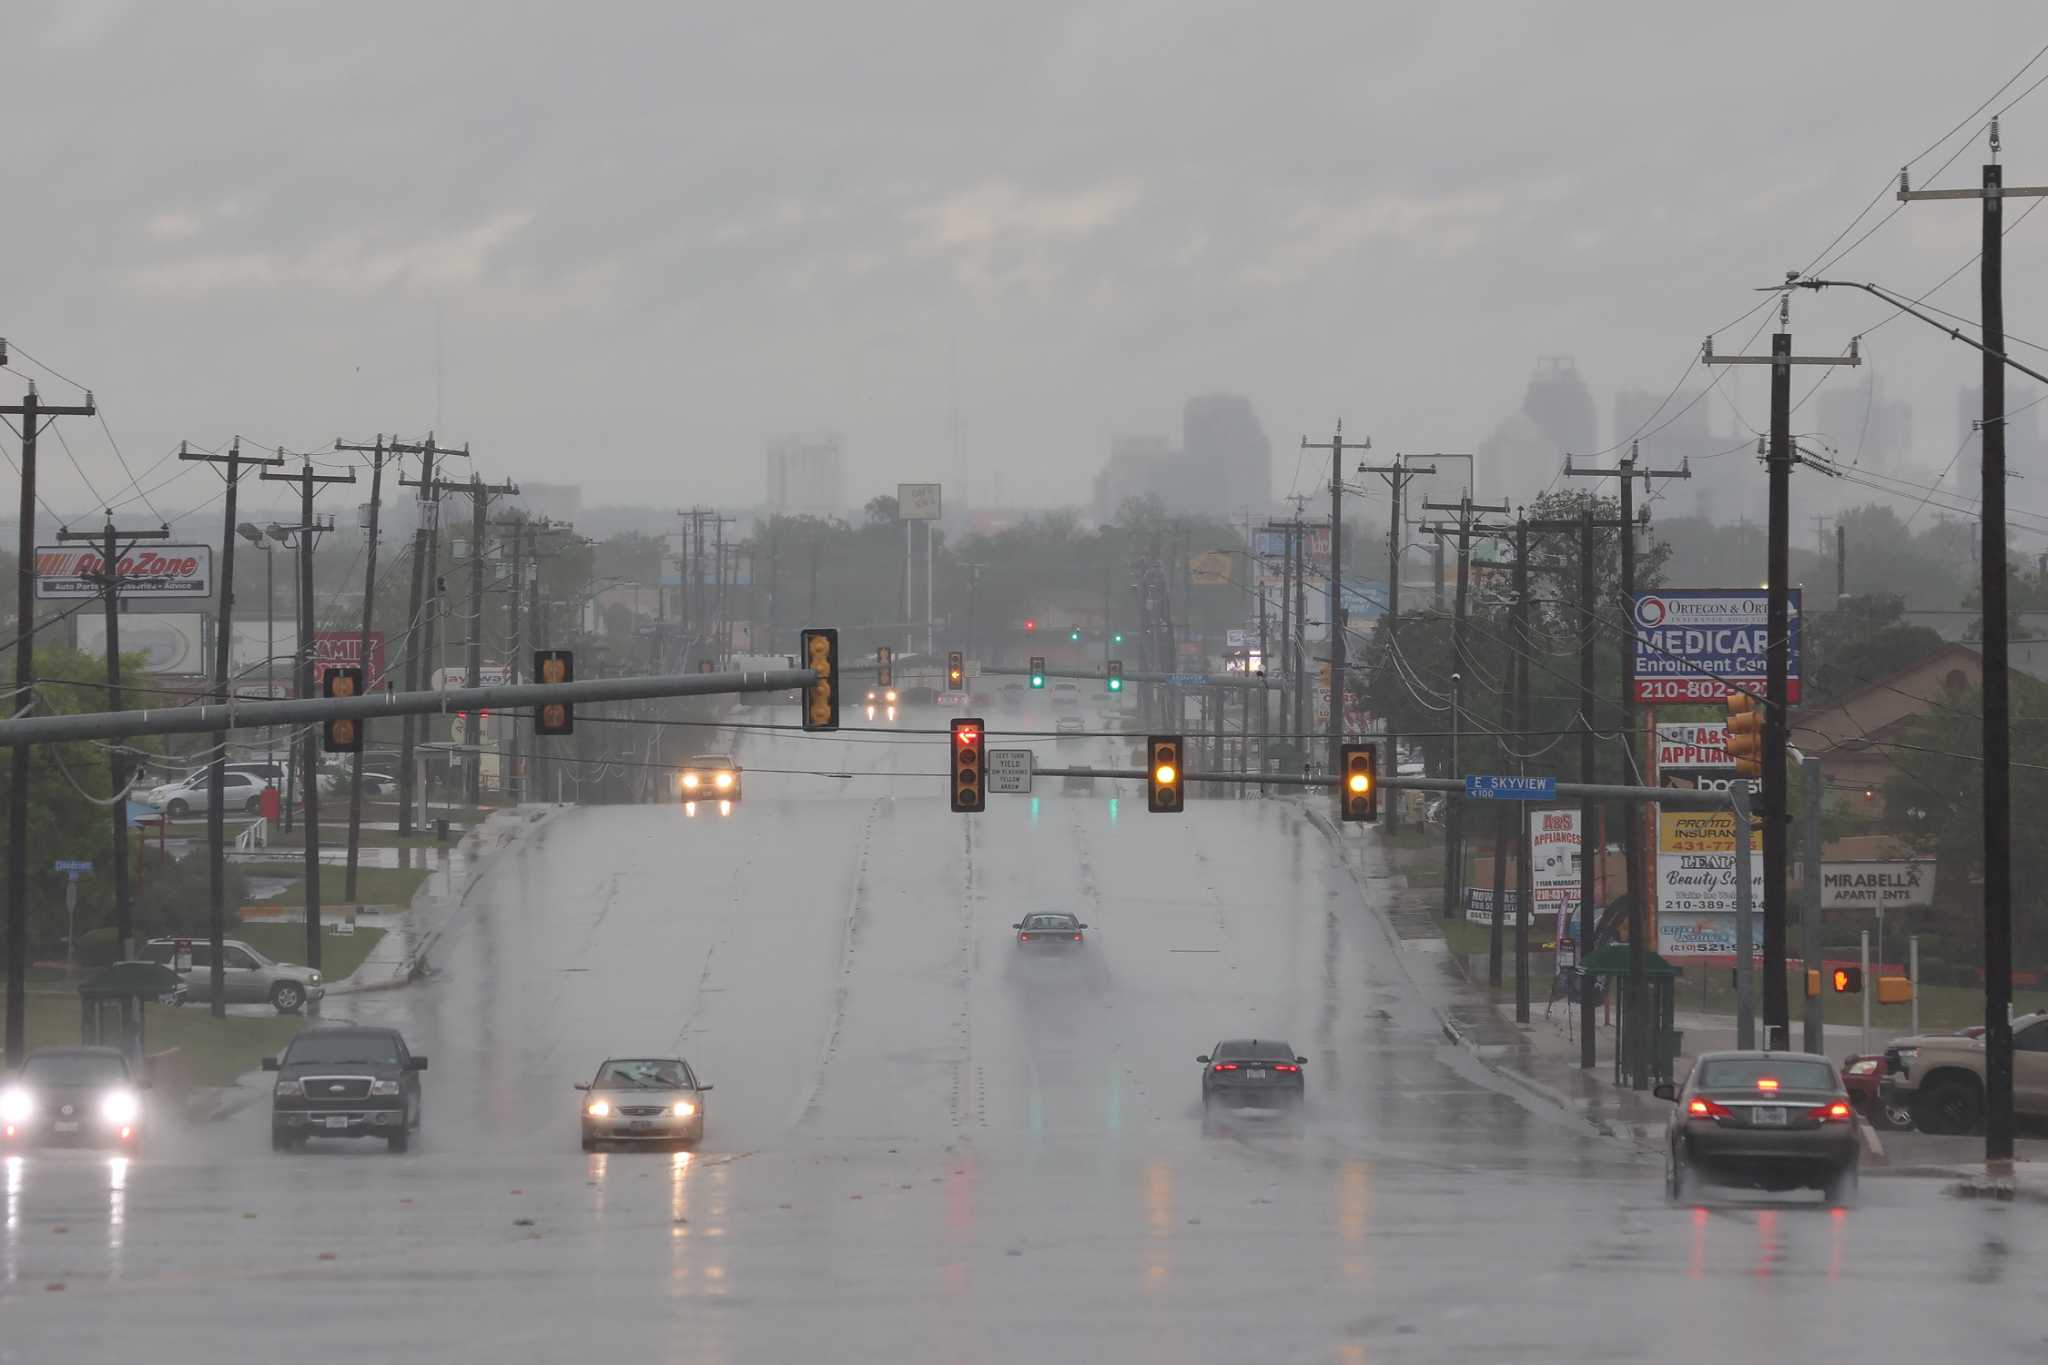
(72, 865)
(917, 502)
(1498, 787)
(1009, 770)
(1188, 679)
(1684, 633)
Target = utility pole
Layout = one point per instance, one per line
(473, 638)
(518, 526)
(1304, 714)
(1337, 445)
(1635, 1005)
(1286, 617)
(1998, 1100)
(1454, 807)
(355, 775)
(110, 589)
(33, 412)
(419, 628)
(1777, 1021)
(1397, 475)
(217, 765)
(1511, 723)
(309, 739)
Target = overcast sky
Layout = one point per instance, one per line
(652, 234)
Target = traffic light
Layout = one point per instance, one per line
(707, 665)
(1030, 627)
(1848, 980)
(1116, 675)
(1163, 775)
(1359, 798)
(956, 669)
(1812, 985)
(1117, 638)
(821, 697)
(554, 666)
(970, 774)
(1074, 634)
(342, 734)
(1745, 735)
(885, 667)
(1038, 671)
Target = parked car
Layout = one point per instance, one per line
(73, 1097)
(248, 976)
(345, 1081)
(239, 791)
(1939, 1077)
(374, 784)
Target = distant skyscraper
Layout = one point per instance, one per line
(1138, 467)
(1864, 427)
(1673, 434)
(806, 475)
(1227, 460)
(1558, 402)
(557, 501)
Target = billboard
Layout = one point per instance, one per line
(1554, 860)
(171, 642)
(70, 571)
(1693, 744)
(1691, 642)
(917, 502)
(1905, 885)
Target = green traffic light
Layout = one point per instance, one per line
(1117, 638)
(1074, 634)
(1116, 684)
(1038, 680)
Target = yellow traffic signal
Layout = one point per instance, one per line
(1745, 734)
(554, 666)
(956, 669)
(1812, 984)
(821, 697)
(970, 773)
(342, 735)
(1359, 797)
(1164, 775)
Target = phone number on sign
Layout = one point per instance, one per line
(1684, 689)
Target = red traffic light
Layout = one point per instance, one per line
(968, 790)
(1031, 625)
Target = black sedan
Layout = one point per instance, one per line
(1762, 1120)
(73, 1097)
(1252, 1073)
(345, 1081)
(1051, 929)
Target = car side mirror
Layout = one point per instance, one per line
(1203, 1060)
(581, 1085)
(1018, 925)
(1080, 926)
(270, 1063)
(1665, 1090)
(1301, 1061)
(702, 1087)
(419, 1064)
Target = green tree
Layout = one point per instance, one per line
(1862, 640)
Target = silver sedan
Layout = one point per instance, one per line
(643, 1100)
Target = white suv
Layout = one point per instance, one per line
(239, 791)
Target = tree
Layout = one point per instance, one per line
(881, 510)
(1861, 641)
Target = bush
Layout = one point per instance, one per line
(175, 897)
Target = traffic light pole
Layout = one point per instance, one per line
(1778, 461)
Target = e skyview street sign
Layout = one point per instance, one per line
(1500, 787)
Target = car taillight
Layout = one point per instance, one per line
(1702, 1108)
(1767, 1084)
(1838, 1112)
(1023, 938)
(1224, 1066)
(1286, 1066)
(1077, 938)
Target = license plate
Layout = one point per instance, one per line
(641, 1125)
(67, 1126)
(338, 1121)
(1768, 1116)
(1257, 1073)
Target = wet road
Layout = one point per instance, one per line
(926, 1145)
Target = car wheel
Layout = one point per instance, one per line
(589, 1143)
(288, 997)
(1678, 1177)
(1948, 1107)
(1841, 1188)
(253, 804)
(1888, 1118)
(278, 1141)
(398, 1141)
(177, 810)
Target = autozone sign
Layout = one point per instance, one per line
(154, 571)
(1690, 643)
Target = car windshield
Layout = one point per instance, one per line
(643, 1074)
(343, 1049)
(74, 1068)
(1051, 922)
(1748, 1073)
(1257, 1050)
(711, 761)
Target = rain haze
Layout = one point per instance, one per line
(1042, 682)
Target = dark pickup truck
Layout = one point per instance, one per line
(345, 1081)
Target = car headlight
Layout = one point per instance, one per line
(383, 1087)
(1907, 1054)
(689, 782)
(892, 698)
(1863, 1066)
(289, 1090)
(313, 977)
(599, 1109)
(120, 1106)
(684, 1109)
(724, 781)
(16, 1104)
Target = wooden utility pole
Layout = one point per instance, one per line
(1337, 445)
(109, 576)
(419, 630)
(355, 775)
(309, 739)
(1398, 475)
(217, 766)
